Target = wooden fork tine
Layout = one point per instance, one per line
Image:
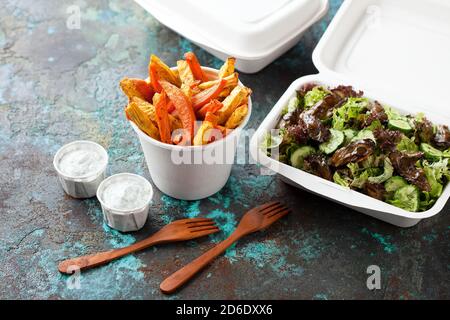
(201, 229)
(273, 208)
(195, 220)
(267, 206)
(206, 232)
(200, 224)
(278, 214)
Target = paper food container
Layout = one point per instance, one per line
(256, 32)
(208, 167)
(397, 52)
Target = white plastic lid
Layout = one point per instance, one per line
(242, 28)
(400, 48)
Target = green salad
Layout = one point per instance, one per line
(341, 136)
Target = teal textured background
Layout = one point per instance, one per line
(58, 85)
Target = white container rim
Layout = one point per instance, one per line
(85, 177)
(121, 211)
(233, 134)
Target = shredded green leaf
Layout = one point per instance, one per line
(314, 96)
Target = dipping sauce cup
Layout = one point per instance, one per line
(81, 167)
(125, 200)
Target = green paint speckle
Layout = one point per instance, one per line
(430, 237)
(321, 296)
(269, 254)
(383, 240)
(310, 248)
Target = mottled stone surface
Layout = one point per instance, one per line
(58, 85)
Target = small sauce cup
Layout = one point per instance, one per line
(125, 200)
(81, 167)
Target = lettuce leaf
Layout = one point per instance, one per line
(341, 181)
(435, 173)
(352, 109)
(314, 96)
(363, 178)
(407, 144)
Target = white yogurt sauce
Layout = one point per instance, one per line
(126, 193)
(81, 162)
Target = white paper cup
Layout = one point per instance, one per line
(198, 179)
(81, 186)
(124, 220)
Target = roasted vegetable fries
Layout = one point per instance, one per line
(204, 106)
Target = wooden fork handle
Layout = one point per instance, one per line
(179, 278)
(69, 266)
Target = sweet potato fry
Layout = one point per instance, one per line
(227, 68)
(205, 96)
(213, 106)
(140, 115)
(195, 66)
(162, 119)
(186, 75)
(140, 88)
(237, 117)
(158, 70)
(212, 118)
(182, 105)
(238, 96)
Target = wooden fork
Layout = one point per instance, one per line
(254, 220)
(181, 230)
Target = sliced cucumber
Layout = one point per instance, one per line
(387, 174)
(395, 183)
(336, 140)
(298, 157)
(364, 134)
(407, 198)
(430, 152)
(401, 125)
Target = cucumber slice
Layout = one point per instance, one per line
(364, 134)
(395, 183)
(336, 140)
(430, 152)
(407, 198)
(401, 125)
(298, 157)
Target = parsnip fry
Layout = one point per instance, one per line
(231, 82)
(174, 122)
(186, 75)
(158, 70)
(237, 117)
(208, 132)
(227, 68)
(238, 96)
(140, 114)
(137, 88)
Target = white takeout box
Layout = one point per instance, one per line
(256, 32)
(399, 53)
